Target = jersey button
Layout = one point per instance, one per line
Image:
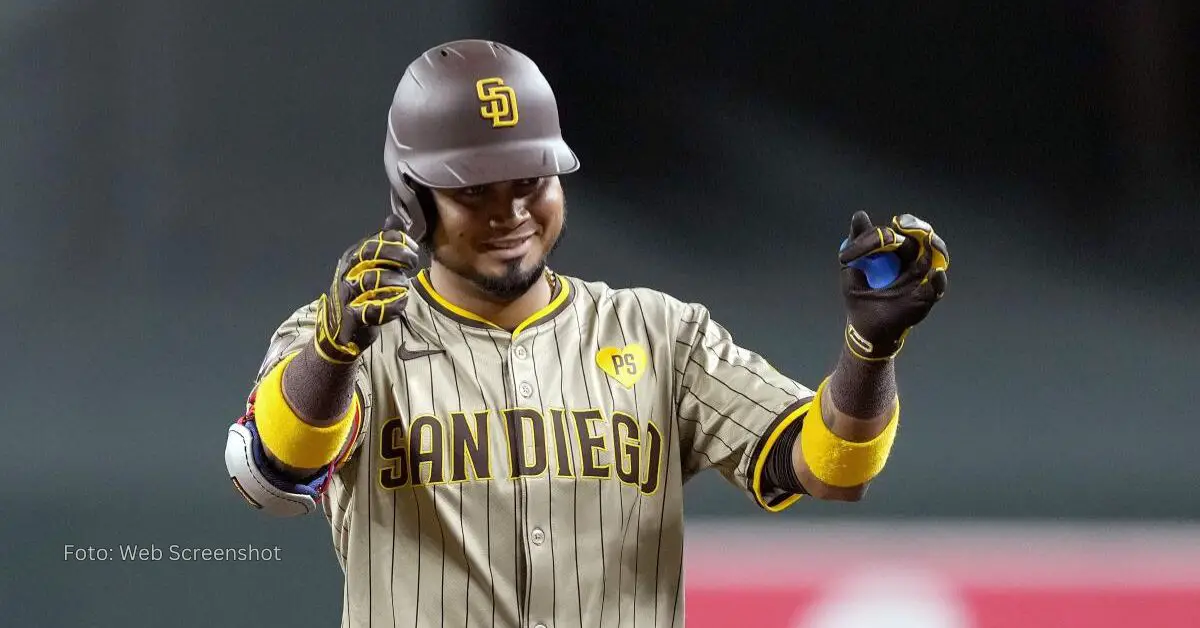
(540, 626)
(538, 536)
(525, 389)
(521, 352)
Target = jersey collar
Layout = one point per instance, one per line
(561, 297)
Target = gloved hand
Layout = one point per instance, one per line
(370, 288)
(878, 320)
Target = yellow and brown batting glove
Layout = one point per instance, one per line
(370, 288)
(878, 319)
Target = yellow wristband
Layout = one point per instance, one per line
(283, 433)
(839, 462)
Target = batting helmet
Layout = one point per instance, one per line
(466, 113)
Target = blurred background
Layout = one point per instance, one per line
(176, 178)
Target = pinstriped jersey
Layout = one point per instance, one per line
(535, 478)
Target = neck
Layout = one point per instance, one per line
(506, 314)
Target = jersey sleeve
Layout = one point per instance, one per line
(291, 336)
(731, 407)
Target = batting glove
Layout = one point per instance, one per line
(879, 319)
(370, 288)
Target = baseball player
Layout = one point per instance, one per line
(497, 444)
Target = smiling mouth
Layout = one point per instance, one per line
(510, 242)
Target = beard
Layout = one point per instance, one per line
(514, 281)
(510, 285)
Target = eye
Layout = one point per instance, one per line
(471, 191)
(524, 187)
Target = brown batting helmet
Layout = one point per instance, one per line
(469, 112)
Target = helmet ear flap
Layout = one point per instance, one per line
(401, 218)
(412, 204)
(407, 204)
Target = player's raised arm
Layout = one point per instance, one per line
(304, 409)
(837, 456)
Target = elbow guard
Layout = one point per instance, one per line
(263, 487)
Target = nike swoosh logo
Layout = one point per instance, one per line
(406, 354)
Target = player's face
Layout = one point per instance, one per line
(498, 235)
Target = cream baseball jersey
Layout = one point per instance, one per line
(535, 478)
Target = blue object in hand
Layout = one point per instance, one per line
(881, 269)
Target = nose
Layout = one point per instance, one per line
(510, 213)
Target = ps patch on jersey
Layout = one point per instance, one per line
(625, 364)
